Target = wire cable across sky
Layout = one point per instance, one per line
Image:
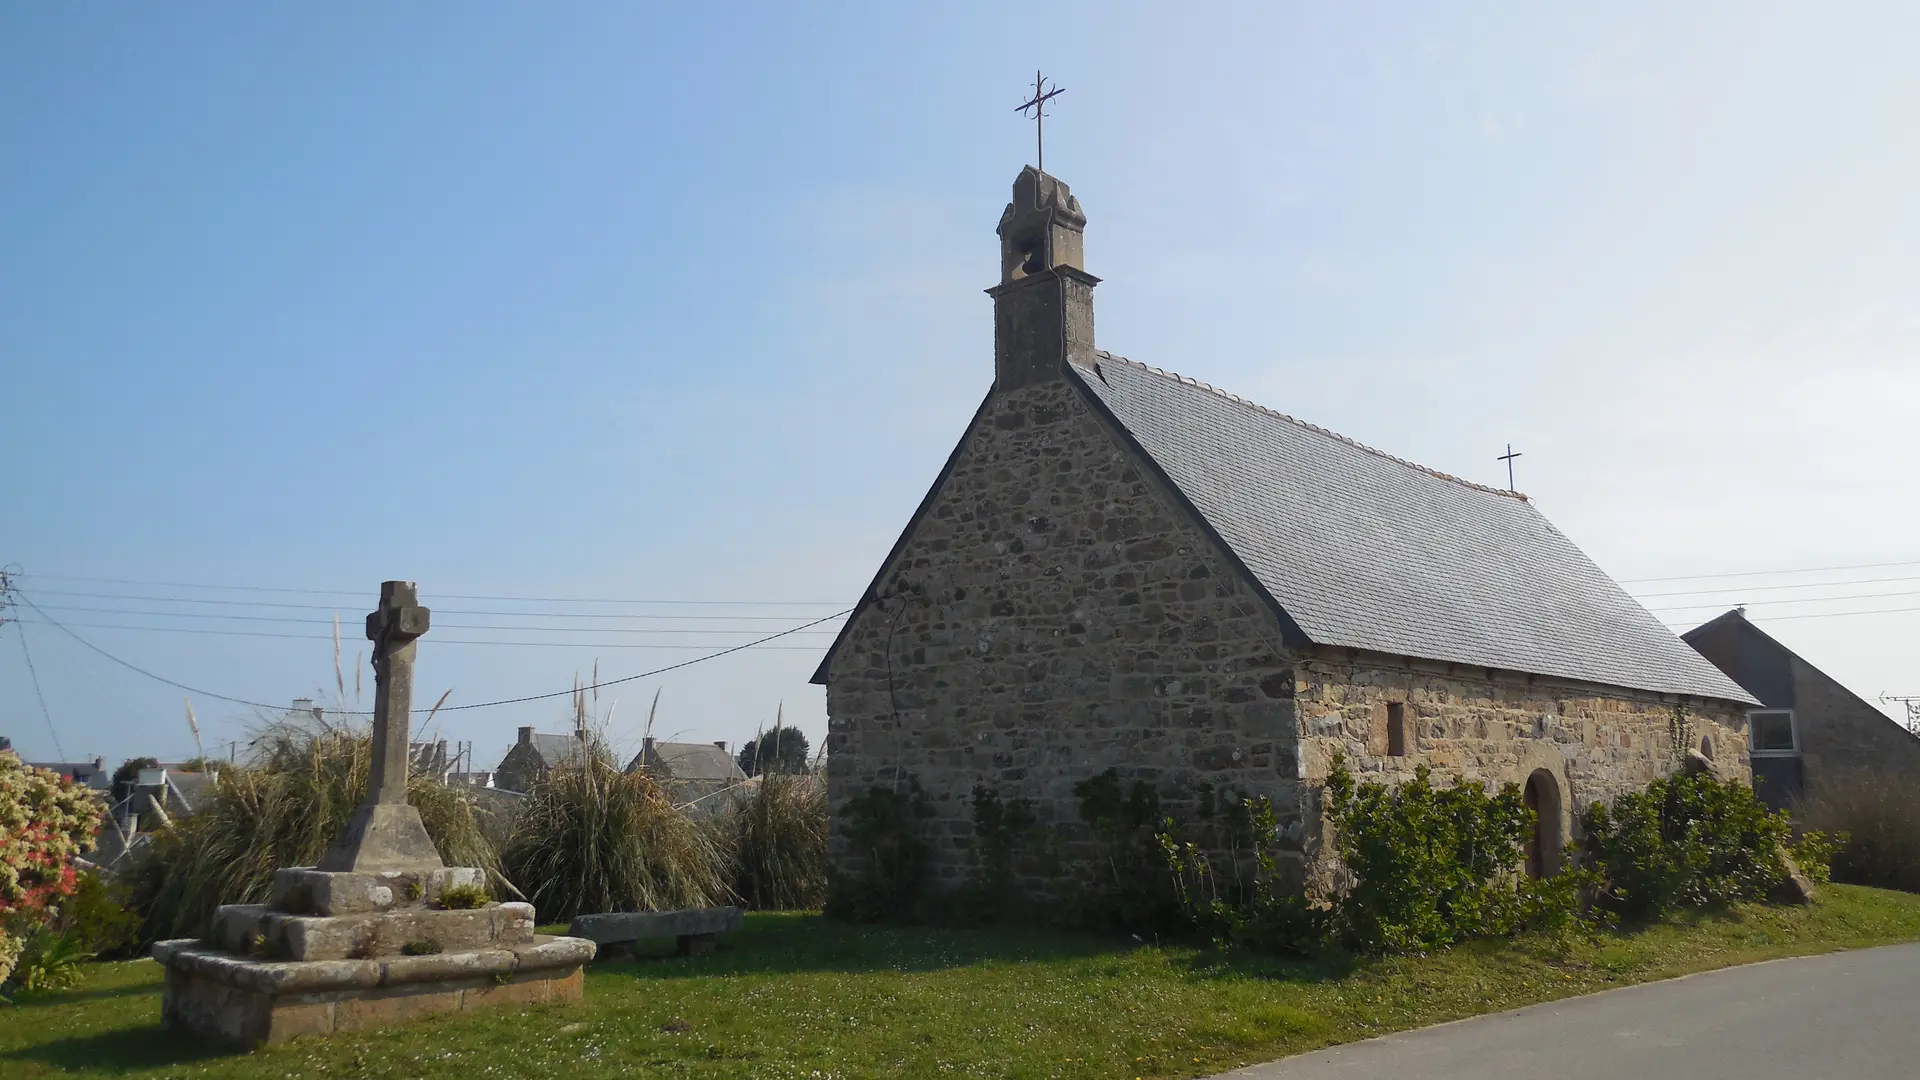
(22, 598)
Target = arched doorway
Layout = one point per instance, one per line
(1542, 795)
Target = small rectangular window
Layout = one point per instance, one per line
(1396, 729)
(1771, 732)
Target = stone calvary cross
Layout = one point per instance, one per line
(385, 832)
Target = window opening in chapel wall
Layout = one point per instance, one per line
(1396, 729)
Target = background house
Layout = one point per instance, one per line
(690, 772)
(91, 774)
(1808, 729)
(535, 755)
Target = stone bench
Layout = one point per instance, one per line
(694, 928)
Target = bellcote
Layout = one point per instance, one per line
(1043, 305)
(1042, 228)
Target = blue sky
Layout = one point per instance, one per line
(603, 301)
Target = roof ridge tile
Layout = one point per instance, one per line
(1316, 428)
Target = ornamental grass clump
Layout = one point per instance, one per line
(590, 838)
(285, 810)
(1875, 816)
(776, 842)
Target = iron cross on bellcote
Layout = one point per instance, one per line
(1041, 95)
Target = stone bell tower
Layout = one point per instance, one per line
(1043, 306)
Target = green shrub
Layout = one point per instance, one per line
(284, 811)
(421, 947)
(465, 897)
(776, 841)
(1685, 842)
(1431, 866)
(991, 892)
(49, 958)
(882, 833)
(590, 838)
(1131, 889)
(1266, 912)
(1874, 815)
(1813, 853)
(100, 917)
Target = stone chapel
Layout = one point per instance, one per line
(1120, 567)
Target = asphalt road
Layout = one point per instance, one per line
(1849, 1015)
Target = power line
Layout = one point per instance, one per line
(1792, 600)
(1767, 573)
(1775, 588)
(457, 611)
(446, 626)
(439, 640)
(1829, 614)
(21, 630)
(362, 593)
(447, 708)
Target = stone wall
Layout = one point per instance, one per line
(520, 769)
(1500, 727)
(1051, 616)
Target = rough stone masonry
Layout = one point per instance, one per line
(1079, 591)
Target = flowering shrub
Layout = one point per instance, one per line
(44, 822)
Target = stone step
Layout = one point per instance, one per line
(211, 992)
(304, 890)
(693, 927)
(259, 931)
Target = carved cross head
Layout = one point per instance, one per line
(400, 618)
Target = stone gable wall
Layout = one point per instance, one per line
(520, 769)
(1052, 616)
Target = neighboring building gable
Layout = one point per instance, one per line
(1832, 730)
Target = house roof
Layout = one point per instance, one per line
(1758, 661)
(1362, 549)
(690, 761)
(554, 749)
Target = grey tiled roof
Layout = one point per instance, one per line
(554, 749)
(690, 761)
(1368, 551)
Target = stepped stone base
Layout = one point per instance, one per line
(259, 932)
(309, 890)
(215, 993)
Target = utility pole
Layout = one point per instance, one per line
(1912, 704)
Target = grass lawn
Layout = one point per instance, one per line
(794, 996)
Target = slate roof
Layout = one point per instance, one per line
(690, 761)
(1365, 550)
(555, 749)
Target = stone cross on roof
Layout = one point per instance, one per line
(386, 832)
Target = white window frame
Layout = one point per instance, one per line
(1793, 728)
